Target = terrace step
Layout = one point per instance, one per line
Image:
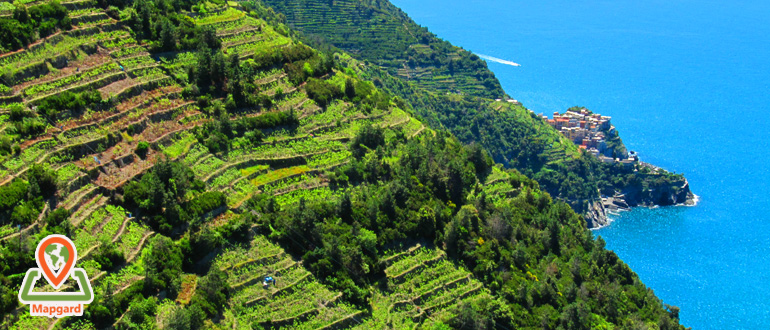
(202, 159)
(155, 117)
(75, 5)
(289, 288)
(270, 79)
(131, 238)
(22, 231)
(92, 205)
(89, 18)
(275, 268)
(91, 84)
(422, 128)
(396, 257)
(140, 52)
(98, 228)
(249, 177)
(476, 287)
(301, 317)
(438, 288)
(68, 68)
(247, 29)
(302, 185)
(293, 285)
(137, 168)
(127, 285)
(471, 295)
(86, 253)
(101, 121)
(134, 253)
(121, 229)
(429, 262)
(255, 38)
(75, 201)
(71, 185)
(253, 260)
(222, 169)
(343, 322)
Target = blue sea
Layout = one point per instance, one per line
(687, 84)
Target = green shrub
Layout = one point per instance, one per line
(42, 181)
(30, 127)
(322, 92)
(26, 212)
(142, 148)
(205, 202)
(44, 19)
(51, 106)
(108, 256)
(57, 218)
(369, 137)
(6, 145)
(163, 265)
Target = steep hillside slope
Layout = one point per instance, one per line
(380, 33)
(190, 149)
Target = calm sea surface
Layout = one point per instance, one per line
(687, 83)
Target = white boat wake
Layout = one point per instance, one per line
(498, 60)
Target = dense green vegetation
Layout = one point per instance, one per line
(164, 25)
(420, 68)
(382, 34)
(189, 149)
(28, 24)
(22, 200)
(534, 252)
(53, 105)
(159, 193)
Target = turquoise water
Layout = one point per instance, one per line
(687, 83)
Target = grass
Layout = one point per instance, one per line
(180, 146)
(253, 169)
(279, 174)
(195, 152)
(207, 166)
(7, 230)
(189, 281)
(227, 15)
(131, 237)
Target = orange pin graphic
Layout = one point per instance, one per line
(55, 255)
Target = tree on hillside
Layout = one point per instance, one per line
(163, 265)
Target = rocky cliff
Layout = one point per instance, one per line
(676, 193)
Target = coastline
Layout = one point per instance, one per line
(611, 206)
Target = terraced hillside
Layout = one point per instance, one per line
(382, 34)
(189, 149)
(423, 289)
(296, 300)
(93, 152)
(93, 149)
(444, 86)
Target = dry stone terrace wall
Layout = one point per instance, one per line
(93, 152)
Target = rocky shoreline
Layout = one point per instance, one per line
(596, 215)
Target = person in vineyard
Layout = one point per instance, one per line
(268, 280)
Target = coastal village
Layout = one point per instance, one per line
(589, 131)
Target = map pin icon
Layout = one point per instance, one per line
(56, 255)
